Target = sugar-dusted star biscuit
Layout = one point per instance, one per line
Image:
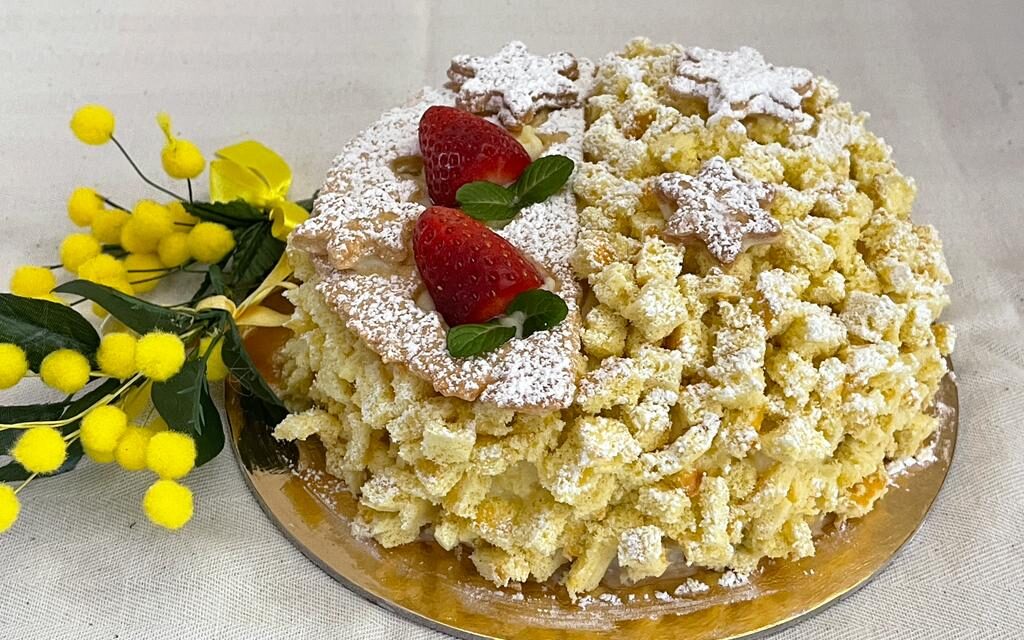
(718, 207)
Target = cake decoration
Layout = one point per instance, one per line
(719, 207)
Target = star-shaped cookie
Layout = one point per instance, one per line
(514, 84)
(740, 83)
(718, 207)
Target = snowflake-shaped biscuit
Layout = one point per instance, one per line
(719, 207)
(740, 83)
(514, 84)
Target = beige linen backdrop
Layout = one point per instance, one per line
(943, 79)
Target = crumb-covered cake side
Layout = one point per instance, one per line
(758, 333)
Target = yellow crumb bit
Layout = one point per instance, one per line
(159, 355)
(65, 370)
(40, 450)
(168, 504)
(93, 124)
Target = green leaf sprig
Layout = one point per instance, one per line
(495, 204)
(536, 310)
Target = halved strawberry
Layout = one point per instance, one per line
(459, 147)
(471, 272)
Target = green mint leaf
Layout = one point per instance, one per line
(541, 310)
(486, 201)
(41, 326)
(237, 360)
(468, 340)
(237, 213)
(138, 315)
(542, 179)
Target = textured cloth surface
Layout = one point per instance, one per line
(944, 81)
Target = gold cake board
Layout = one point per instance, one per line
(440, 589)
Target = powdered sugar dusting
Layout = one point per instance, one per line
(740, 83)
(720, 207)
(514, 84)
(359, 238)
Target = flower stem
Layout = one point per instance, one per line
(25, 483)
(189, 183)
(139, 171)
(66, 421)
(112, 203)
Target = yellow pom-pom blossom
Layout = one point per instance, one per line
(77, 249)
(168, 504)
(102, 269)
(171, 455)
(40, 450)
(173, 250)
(209, 242)
(83, 205)
(32, 282)
(135, 240)
(116, 355)
(144, 271)
(93, 124)
(102, 428)
(130, 452)
(13, 365)
(106, 225)
(181, 158)
(10, 507)
(180, 215)
(65, 370)
(99, 457)
(216, 370)
(154, 219)
(159, 355)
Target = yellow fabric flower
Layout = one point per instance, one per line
(171, 455)
(13, 365)
(251, 172)
(209, 242)
(173, 249)
(130, 452)
(159, 355)
(179, 213)
(116, 355)
(65, 370)
(102, 269)
(93, 124)
(83, 205)
(99, 457)
(181, 158)
(106, 225)
(102, 428)
(10, 507)
(33, 282)
(168, 504)
(154, 219)
(76, 249)
(144, 271)
(216, 370)
(40, 450)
